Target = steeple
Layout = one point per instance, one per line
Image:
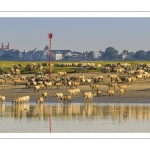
(2, 46)
(8, 45)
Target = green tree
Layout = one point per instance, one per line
(110, 54)
(125, 51)
(141, 54)
(148, 55)
(90, 55)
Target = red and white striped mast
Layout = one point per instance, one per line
(50, 54)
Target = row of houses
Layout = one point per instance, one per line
(43, 55)
(14, 54)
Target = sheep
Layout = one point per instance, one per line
(44, 95)
(146, 75)
(40, 100)
(99, 93)
(88, 95)
(105, 69)
(121, 91)
(72, 92)
(139, 76)
(110, 92)
(97, 79)
(41, 86)
(94, 86)
(81, 77)
(122, 87)
(114, 78)
(66, 98)
(112, 85)
(133, 79)
(75, 84)
(23, 99)
(140, 71)
(2, 98)
(27, 85)
(33, 83)
(58, 84)
(88, 81)
(62, 73)
(119, 70)
(83, 81)
(17, 81)
(14, 101)
(36, 88)
(77, 90)
(114, 75)
(48, 84)
(2, 81)
(40, 82)
(101, 78)
(17, 100)
(8, 75)
(128, 80)
(59, 95)
(27, 98)
(69, 84)
(23, 78)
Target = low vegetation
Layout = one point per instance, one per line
(68, 67)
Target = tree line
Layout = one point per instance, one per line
(112, 54)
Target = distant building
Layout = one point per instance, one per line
(57, 56)
(5, 47)
(63, 52)
(97, 54)
(123, 56)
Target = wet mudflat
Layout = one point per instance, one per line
(75, 118)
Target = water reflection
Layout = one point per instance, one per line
(119, 112)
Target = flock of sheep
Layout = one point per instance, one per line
(120, 77)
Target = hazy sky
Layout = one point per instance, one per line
(76, 34)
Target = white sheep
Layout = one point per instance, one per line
(27, 98)
(77, 91)
(48, 84)
(59, 95)
(17, 100)
(72, 92)
(44, 95)
(40, 100)
(66, 98)
(139, 76)
(110, 92)
(121, 91)
(2, 98)
(99, 93)
(36, 88)
(122, 87)
(88, 95)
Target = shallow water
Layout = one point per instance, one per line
(74, 118)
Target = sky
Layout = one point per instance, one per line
(76, 33)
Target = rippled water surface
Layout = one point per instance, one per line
(74, 118)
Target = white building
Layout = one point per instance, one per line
(57, 56)
(97, 54)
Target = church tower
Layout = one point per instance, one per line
(5, 47)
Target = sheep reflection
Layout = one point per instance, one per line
(115, 112)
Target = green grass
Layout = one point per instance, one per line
(7, 65)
